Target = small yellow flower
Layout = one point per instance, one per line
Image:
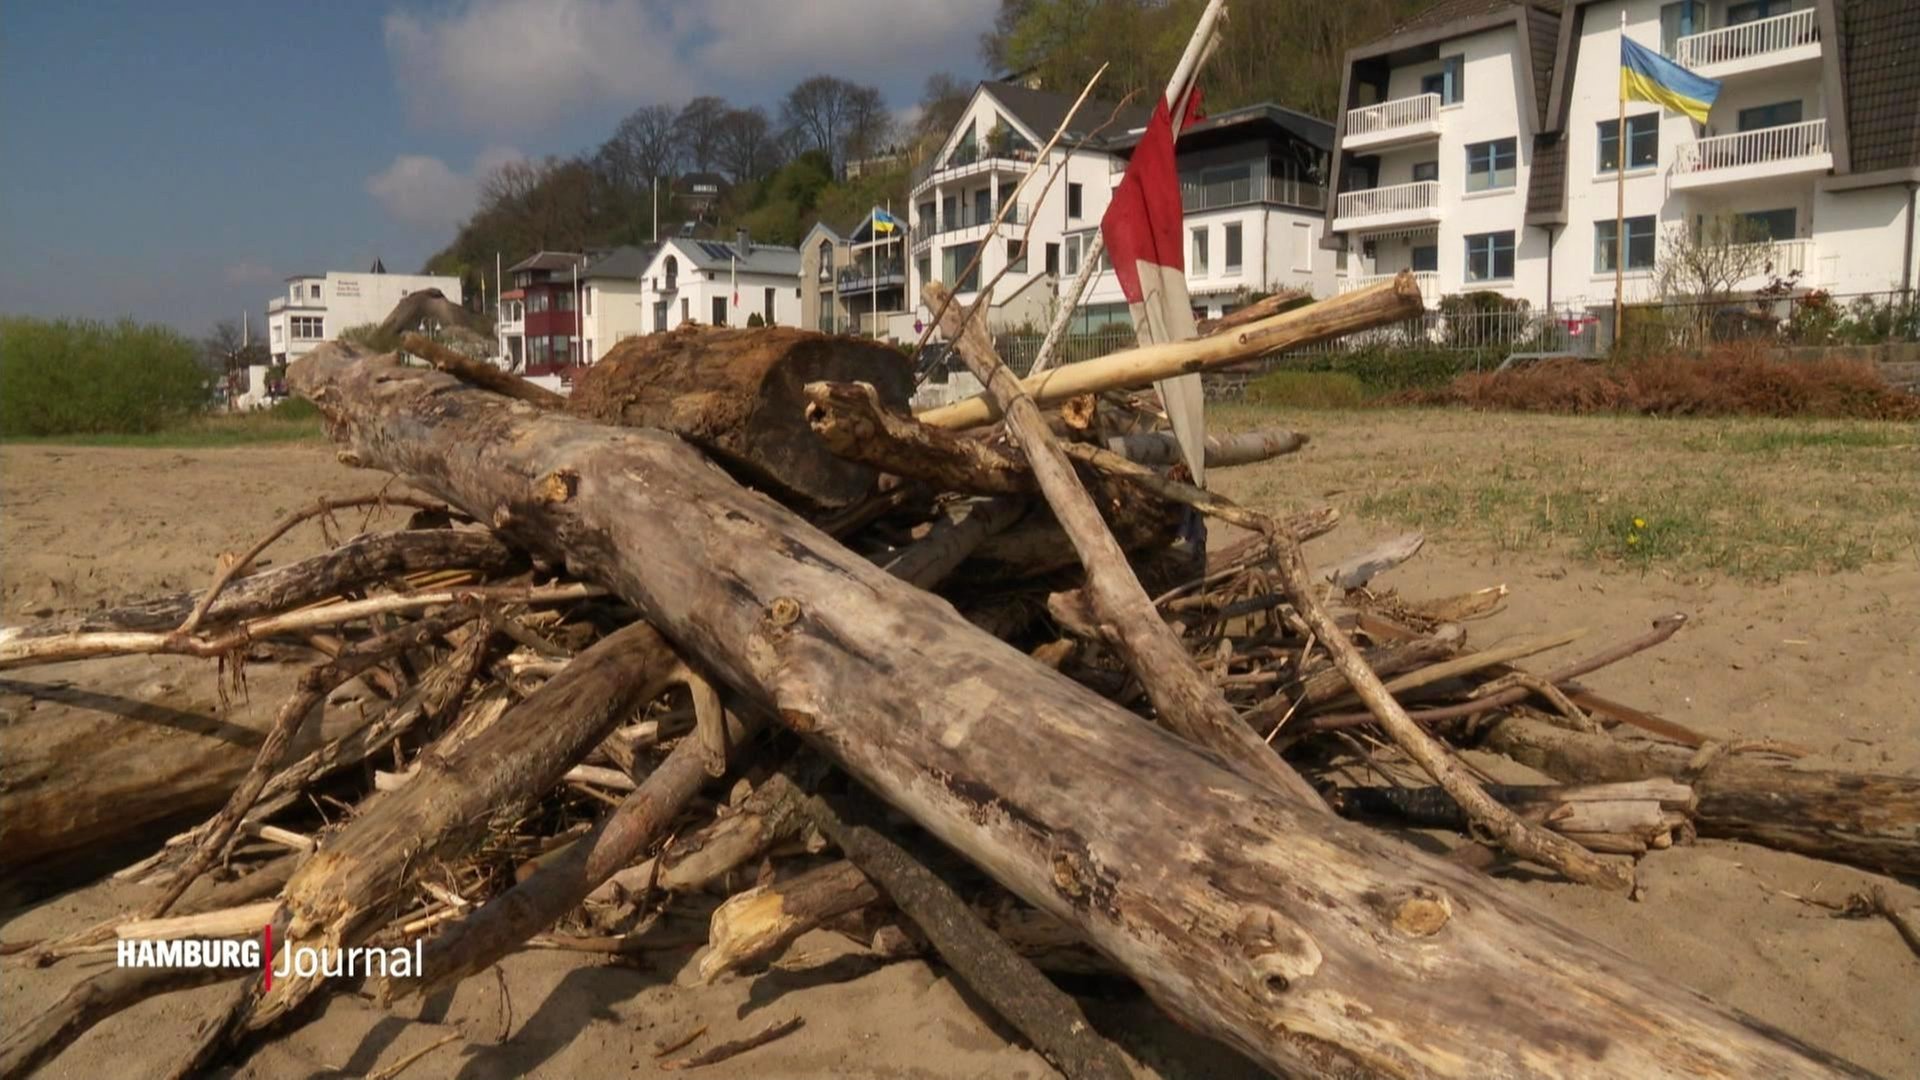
(1633, 539)
(1639, 523)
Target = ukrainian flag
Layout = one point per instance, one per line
(883, 222)
(1645, 75)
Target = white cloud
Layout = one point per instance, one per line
(511, 65)
(420, 189)
(248, 272)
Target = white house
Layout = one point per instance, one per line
(1253, 181)
(316, 307)
(721, 284)
(853, 284)
(612, 307)
(1480, 148)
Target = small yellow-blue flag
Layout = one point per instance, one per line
(1645, 75)
(884, 222)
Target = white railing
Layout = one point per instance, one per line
(1419, 195)
(1428, 280)
(1748, 39)
(1786, 256)
(1419, 109)
(1783, 143)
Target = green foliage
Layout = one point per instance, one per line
(1819, 320)
(1308, 390)
(755, 320)
(368, 336)
(71, 376)
(1383, 370)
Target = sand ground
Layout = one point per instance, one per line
(1831, 661)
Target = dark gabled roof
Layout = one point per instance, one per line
(1449, 13)
(547, 260)
(722, 255)
(1042, 111)
(622, 262)
(1246, 120)
(1880, 78)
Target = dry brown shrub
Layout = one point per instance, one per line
(1730, 381)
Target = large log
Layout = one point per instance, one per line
(1315, 945)
(738, 395)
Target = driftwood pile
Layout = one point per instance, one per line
(731, 620)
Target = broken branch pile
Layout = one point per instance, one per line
(734, 559)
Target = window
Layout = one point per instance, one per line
(927, 219)
(673, 273)
(1198, 264)
(1643, 142)
(586, 352)
(307, 327)
(1232, 246)
(1760, 226)
(659, 315)
(540, 350)
(925, 268)
(1490, 256)
(1302, 246)
(537, 303)
(1053, 259)
(563, 301)
(1424, 258)
(1073, 200)
(1426, 170)
(1450, 82)
(949, 212)
(719, 311)
(1491, 165)
(1640, 244)
(686, 309)
(1679, 20)
(1766, 116)
(1016, 257)
(955, 259)
(588, 299)
(1755, 10)
(1225, 186)
(276, 333)
(1073, 255)
(982, 207)
(766, 311)
(313, 291)
(562, 349)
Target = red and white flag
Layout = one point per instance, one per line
(1144, 230)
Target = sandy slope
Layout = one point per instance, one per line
(1831, 662)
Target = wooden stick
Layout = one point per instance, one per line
(1222, 451)
(714, 1055)
(229, 568)
(754, 924)
(480, 373)
(1049, 1018)
(65, 647)
(1184, 700)
(1362, 309)
(226, 922)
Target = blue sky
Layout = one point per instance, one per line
(174, 161)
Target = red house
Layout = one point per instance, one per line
(540, 317)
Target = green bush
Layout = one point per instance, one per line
(74, 376)
(1383, 370)
(1307, 390)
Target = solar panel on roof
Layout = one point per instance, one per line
(716, 251)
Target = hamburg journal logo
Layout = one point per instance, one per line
(304, 961)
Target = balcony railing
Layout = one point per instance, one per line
(1782, 257)
(1286, 191)
(966, 217)
(1428, 280)
(1783, 143)
(1003, 148)
(1400, 112)
(861, 277)
(1397, 198)
(1747, 39)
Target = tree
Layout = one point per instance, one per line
(696, 131)
(1707, 261)
(836, 117)
(746, 148)
(942, 99)
(645, 146)
(869, 124)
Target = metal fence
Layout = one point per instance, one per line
(1812, 318)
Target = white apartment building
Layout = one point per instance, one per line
(316, 307)
(1253, 182)
(1480, 148)
(612, 308)
(720, 284)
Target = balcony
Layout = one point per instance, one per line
(1005, 153)
(1428, 280)
(967, 217)
(1763, 154)
(1393, 207)
(1761, 45)
(861, 278)
(1399, 122)
(1260, 188)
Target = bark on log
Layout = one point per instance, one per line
(481, 373)
(1861, 819)
(357, 562)
(1623, 818)
(738, 395)
(1315, 945)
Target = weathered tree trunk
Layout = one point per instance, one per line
(1624, 818)
(1222, 451)
(1315, 945)
(738, 395)
(756, 923)
(1862, 819)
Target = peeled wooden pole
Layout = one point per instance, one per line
(1361, 309)
(1184, 699)
(1314, 945)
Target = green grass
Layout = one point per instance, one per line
(1751, 499)
(200, 432)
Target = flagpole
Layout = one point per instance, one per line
(873, 277)
(1620, 195)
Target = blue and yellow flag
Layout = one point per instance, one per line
(1645, 75)
(884, 222)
